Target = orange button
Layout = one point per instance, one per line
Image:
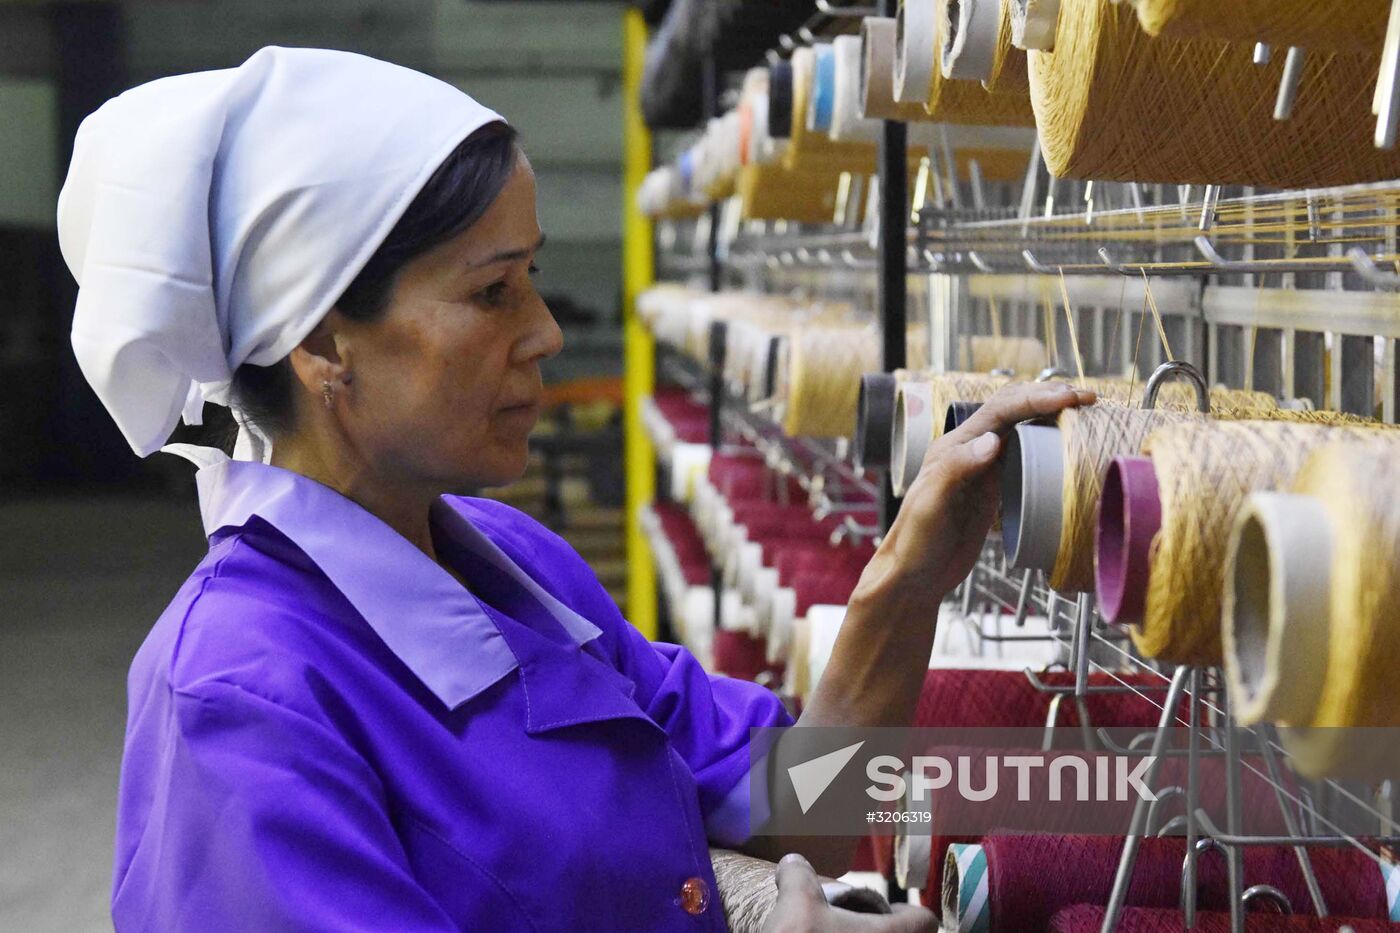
(695, 895)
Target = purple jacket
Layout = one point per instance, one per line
(328, 732)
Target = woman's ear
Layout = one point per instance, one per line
(322, 356)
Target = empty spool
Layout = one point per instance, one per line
(1277, 608)
(1032, 478)
(1130, 512)
(970, 31)
(875, 420)
(913, 430)
(916, 50)
(878, 52)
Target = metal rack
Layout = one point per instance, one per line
(1289, 292)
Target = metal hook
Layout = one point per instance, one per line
(1176, 368)
(981, 264)
(1165, 793)
(1052, 372)
(1035, 265)
(1362, 262)
(1173, 823)
(1116, 266)
(1221, 264)
(846, 12)
(1128, 751)
(1268, 891)
(1207, 249)
(1208, 207)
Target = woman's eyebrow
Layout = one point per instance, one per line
(510, 255)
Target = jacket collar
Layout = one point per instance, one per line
(434, 625)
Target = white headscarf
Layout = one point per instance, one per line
(212, 219)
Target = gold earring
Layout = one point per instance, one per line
(327, 394)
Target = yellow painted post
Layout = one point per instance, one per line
(639, 353)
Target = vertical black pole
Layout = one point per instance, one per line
(893, 271)
(718, 331)
(710, 89)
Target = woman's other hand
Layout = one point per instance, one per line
(802, 908)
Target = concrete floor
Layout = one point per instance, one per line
(81, 582)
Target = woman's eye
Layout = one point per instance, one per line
(494, 293)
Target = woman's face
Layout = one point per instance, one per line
(446, 382)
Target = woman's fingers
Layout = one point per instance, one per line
(910, 918)
(798, 885)
(951, 462)
(1019, 402)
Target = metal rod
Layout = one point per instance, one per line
(1234, 859)
(1290, 823)
(1332, 841)
(1193, 773)
(1081, 645)
(1387, 104)
(1288, 87)
(1134, 838)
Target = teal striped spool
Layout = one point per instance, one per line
(965, 889)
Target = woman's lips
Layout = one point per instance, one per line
(523, 411)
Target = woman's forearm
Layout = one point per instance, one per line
(877, 666)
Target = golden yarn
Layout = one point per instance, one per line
(822, 397)
(814, 149)
(968, 102)
(772, 192)
(1205, 472)
(1115, 104)
(1356, 25)
(1175, 396)
(1010, 69)
(996, 165)
(1353, 482)
(824, 366)
(947, 388)
(1091, 437)
(1024, 356)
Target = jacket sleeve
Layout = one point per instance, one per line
(272, 822)
(708, 718)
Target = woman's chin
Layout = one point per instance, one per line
(497, 465)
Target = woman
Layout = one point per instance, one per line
(377, 704)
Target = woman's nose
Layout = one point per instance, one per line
(545, 338)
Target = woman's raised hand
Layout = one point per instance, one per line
(950, 506)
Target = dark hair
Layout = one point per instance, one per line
(454, 198)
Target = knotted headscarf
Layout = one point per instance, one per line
(212, 219)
